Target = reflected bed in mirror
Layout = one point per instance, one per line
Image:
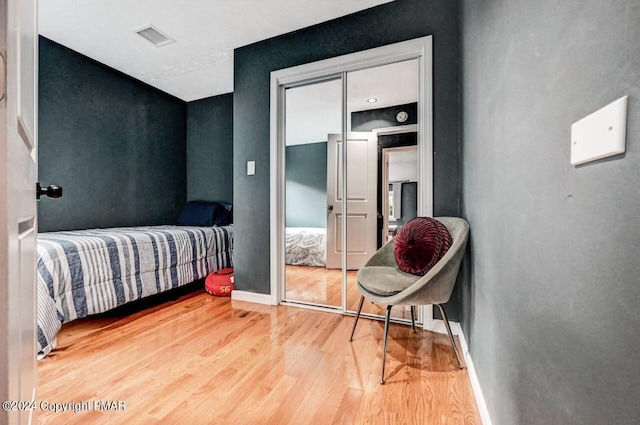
(305, 246)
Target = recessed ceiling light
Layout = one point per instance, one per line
(372, 100)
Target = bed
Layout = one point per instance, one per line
(305, 246)
(87, 272)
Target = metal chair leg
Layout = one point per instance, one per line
(353, 330)
(413, 318)
(384, 344)
(453, 342)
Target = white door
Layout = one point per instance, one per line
(18, 156)
(361, 199)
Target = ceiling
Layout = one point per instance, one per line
(315, 110)
(199, 63)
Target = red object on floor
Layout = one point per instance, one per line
(220, 283)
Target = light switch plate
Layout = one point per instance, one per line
(251, 168)
(600, 134)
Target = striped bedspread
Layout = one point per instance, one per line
(87, 272)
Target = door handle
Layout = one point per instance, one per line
(330, 208)
(51, 191)
(3, 76)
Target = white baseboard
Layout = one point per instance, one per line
(252, 297)
(456, 329)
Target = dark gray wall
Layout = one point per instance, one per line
(306, 185)
(552, 307)
(393, 22)
(210, 149)
(116, 145)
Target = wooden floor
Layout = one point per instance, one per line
(208, 360)
(321, 286)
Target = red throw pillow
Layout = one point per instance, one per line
(420, 244)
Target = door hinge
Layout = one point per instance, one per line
(3, 77)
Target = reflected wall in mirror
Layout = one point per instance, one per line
(312, 113)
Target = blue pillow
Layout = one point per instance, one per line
(198, 213)
(224, 214)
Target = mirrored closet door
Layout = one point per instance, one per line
(313, 118)
(382, 107)
(351, 173)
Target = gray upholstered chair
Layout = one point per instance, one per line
(382, 282)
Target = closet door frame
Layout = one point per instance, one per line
(420, 49)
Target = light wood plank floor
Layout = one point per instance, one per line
(318, 285)
(208, 360)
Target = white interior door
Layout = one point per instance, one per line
(359, 206)
(18, 157)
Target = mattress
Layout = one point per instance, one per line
(305, 246)
(87, 272)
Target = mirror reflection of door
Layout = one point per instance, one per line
(312, 113)
(360, 206)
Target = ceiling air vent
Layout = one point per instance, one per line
(154, 35)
